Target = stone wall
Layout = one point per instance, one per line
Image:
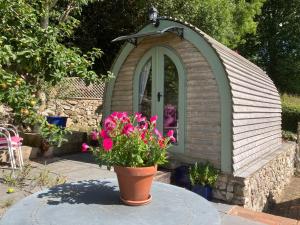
(83, 114)
(5, 114)
(261, 184)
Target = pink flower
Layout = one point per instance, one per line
(137, 115)
(109, 123)
(139, 118)
(103, 134)
(107, 144)
(128, 128)
(84, 147)
(153, 119)
(161, 143)
(157, 132)
(94, 135)
(143, 125)
(170, 134)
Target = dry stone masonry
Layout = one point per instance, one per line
(261, 184)
(83, 114)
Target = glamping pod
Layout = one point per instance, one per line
(223, 108)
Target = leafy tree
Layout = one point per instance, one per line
(226, 20)
(276, 47)
(34, 52)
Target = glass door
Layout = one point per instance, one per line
(159, 89)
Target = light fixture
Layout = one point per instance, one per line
(153, 16)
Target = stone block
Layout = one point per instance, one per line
(31, 139)
(29, 152)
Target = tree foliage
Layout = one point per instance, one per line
(34, 51)
(228, 21)
(276, 46)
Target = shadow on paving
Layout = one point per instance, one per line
(80, 157)
(290, 209)
(83, 192)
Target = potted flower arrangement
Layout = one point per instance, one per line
(134, 147)
(203, 177)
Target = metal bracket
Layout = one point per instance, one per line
(179, 31)
(133, 41)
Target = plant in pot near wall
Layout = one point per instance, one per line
(134, 147)
(203, 178)
(52, 135)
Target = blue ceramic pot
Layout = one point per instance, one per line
(60, 121)
(181, 177)
(204, 191)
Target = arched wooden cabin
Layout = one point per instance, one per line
(223, 108)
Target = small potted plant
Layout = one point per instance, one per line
(203, 178)
(52, 135)
(134, 147)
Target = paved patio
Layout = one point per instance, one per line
(82, 167)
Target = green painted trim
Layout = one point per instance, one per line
(181, 95)
(136, 75)
(221, 77)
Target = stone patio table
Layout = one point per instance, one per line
(97, 202)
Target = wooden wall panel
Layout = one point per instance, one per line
(203, 132)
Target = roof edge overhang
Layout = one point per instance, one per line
(133, 38)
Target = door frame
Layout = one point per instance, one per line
(157, 53)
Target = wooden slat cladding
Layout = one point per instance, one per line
(256, 109)
(203, 119)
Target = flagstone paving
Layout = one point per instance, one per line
(289, 203)
(82, 167)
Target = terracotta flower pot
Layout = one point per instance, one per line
(135, 184)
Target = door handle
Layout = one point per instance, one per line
(159, 95)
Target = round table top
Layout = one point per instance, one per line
(97, 202)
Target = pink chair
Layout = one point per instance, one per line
(11, 141)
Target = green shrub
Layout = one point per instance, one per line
(289, 136)
(290, 112)
(203, 174)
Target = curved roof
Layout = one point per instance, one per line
(256, 106)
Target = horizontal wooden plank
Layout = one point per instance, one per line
(231, 66)
(199, 94)
(254, 115)
(252, 92)
(243, 65)
(252, 158)
(240, 136)
(247, 96)
(252, 145)
(248, 128)
(122, 97)
(201, 82)
(250, 86)
(203, 129)
(255, 150)
(253, 109)
(239, 101)
(243, 122)
(247, 77)
(248, 140)
(204, 108)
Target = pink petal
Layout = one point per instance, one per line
(107, 144)
(153, 119)
(84, 147)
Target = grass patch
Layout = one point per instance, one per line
(290, 112)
